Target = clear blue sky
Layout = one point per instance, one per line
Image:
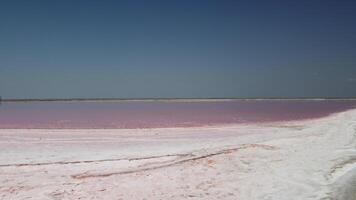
(183, 48)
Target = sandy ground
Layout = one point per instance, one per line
(312, 159)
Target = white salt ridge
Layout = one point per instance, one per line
(313, 159)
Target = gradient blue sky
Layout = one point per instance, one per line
(185, 48)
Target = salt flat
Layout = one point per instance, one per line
(311, 159)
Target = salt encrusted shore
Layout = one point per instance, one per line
(311, 159)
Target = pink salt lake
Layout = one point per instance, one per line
(155, 114)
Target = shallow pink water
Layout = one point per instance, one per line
(160, 114)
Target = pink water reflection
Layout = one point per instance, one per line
(160, 114)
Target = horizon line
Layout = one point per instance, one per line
(170, 99)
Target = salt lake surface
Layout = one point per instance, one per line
(155, 114)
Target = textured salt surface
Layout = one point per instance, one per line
(313, 159)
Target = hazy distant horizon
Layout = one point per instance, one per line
(175, 98)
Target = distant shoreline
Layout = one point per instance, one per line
(172, 99)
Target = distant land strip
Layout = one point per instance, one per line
(170, 99)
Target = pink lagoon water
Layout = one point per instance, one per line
(154, 114)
